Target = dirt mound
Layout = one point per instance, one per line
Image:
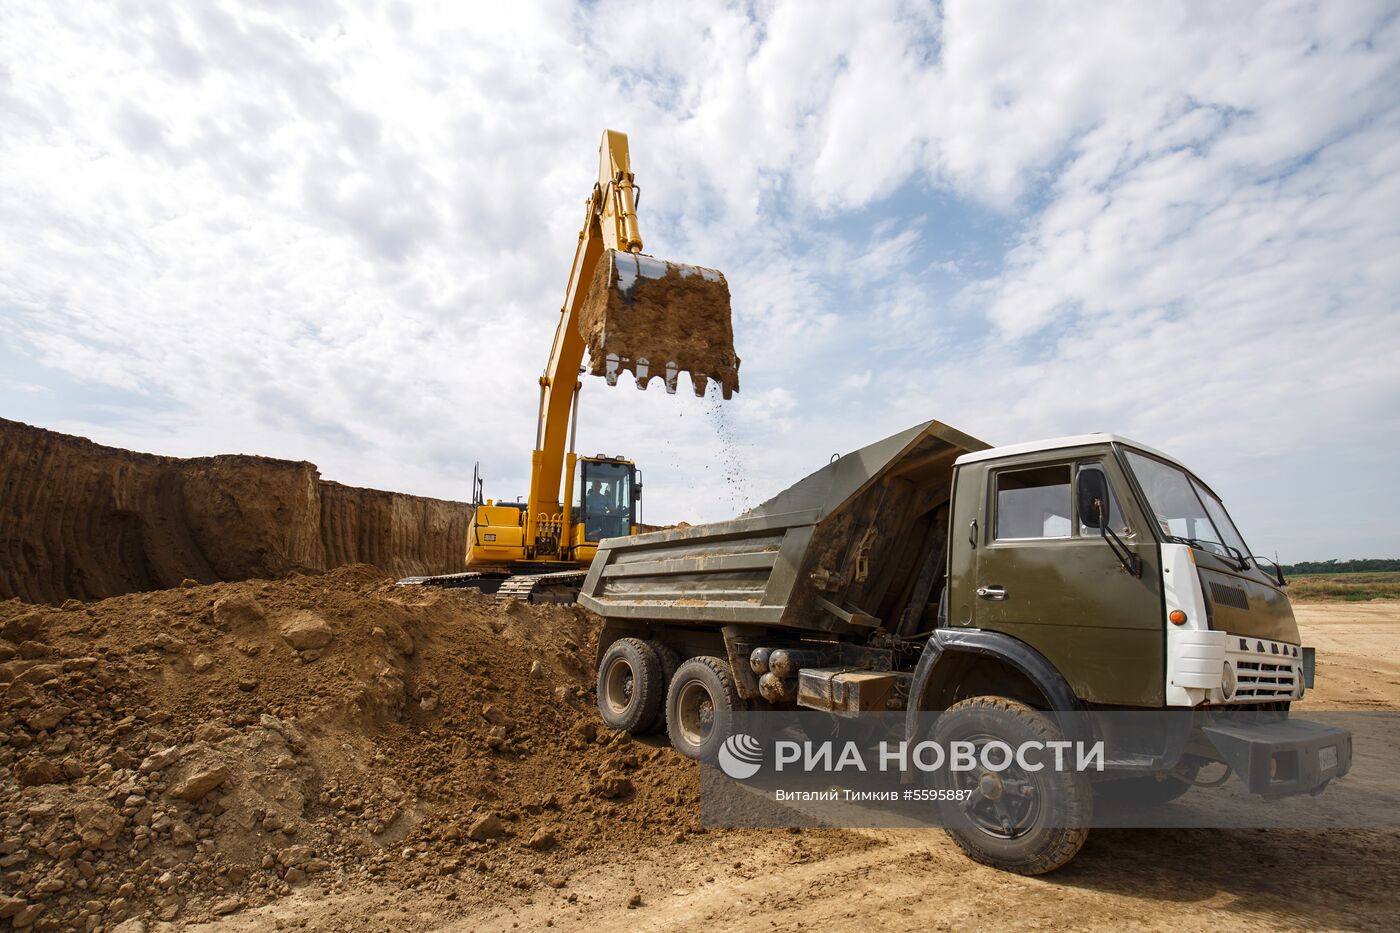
(83, 521)
(176, 754)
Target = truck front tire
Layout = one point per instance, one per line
(700, 707)
(1027, 822)
(630, 686)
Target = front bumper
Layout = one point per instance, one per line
(1280, 758)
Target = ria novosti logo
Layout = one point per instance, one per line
(740, 756)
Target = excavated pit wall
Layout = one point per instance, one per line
(82, 521)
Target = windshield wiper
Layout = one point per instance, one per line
(1200, 545)
(1278, 571)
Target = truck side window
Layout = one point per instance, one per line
(1033, 503)
(1116, 522)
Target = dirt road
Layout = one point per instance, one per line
(915, 880)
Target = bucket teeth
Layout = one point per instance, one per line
(639, 309)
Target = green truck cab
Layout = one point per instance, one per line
(1023, 588)
(1094, 598)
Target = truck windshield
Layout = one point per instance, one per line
(1184, 508)
(607, 500)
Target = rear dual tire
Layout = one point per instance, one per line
(700, 707)
(632, 682)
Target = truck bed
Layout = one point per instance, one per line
(845, 549)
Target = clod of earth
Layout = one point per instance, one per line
(307, 631)
(197, 785)
(160, 760)
(612, 784)
(97, 824)
(487, 827)
(34, 771)
(238, 609)
(542, 841)
(47, 718)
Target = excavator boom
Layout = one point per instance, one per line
(632, 313)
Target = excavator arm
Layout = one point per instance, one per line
(631, 312)
(609, 223)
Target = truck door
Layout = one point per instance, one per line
(1059, 588)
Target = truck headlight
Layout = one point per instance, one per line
(1227, 681)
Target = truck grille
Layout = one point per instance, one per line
(1266, 671)
(1260, 680)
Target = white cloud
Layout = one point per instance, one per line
(342, 232)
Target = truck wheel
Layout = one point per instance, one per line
(700, 707)
(629, 686)
(670, 660)
(1144, 791)
(1018, 820)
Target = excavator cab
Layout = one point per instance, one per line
(606, 499)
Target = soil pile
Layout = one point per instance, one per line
(683, 317)
(184, 753)
(83, 521)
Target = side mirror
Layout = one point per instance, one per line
(1093, 513)
(1093, 499)
(637, 493)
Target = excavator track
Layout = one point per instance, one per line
(471, 580)
(558, 587)
(561, 587)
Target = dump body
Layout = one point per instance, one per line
(831, 553)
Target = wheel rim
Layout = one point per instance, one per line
(620, 685)
(695, 713)
(1002, 804)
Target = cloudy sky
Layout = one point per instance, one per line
(341, 232)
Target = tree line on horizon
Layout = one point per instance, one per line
(1362, 565)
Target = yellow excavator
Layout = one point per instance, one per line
(633, 313)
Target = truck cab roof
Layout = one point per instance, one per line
(1064, 443)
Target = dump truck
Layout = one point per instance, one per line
(931, 572)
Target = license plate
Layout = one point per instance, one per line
(1327, 757)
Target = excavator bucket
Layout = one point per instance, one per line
(657, 318)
